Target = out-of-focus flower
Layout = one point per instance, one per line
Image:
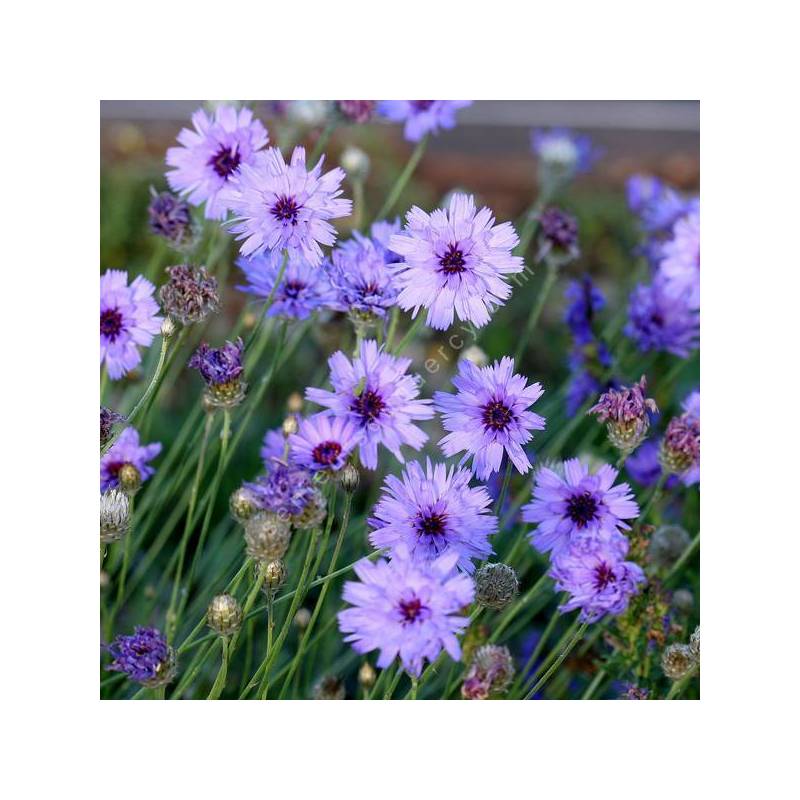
(585, 300)
(375, 392)
(359, 111)
(279, 205)
(115, 510)
(562, 153)
(144, 657)
(680, 260)
(211, 154)
(127, 451)
(303, 289)
(330, 687)
(422, 116)
(432, 511)
(557, 237)
(580, 510)
(381, 233)
(635, 693)
(108, 419)
(355, 162)
(224, 614)
(489, 416)
(626, 413)
(658, 321)
(324, 442)
(274, 447)
(678, 660)
(406, 607)
(490, 673)
(694, 643)
(667, 545)
(643, 465)
(128, 320)
(190, 294)
(657, 205)
(454, 263)
(310, 113)
(267, 536)
(285, 489)
(496, 585)
(680, 447)
(170, 218)
(221, 368)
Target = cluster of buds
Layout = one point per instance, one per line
(115, 513)
(557, 237)
(679, 660)
(490, 673)
(190, 294)
(267, 536)
(224, 614)
(496, 585)
(221, 368)
(170, 218)
(626, 414)
(680, 447)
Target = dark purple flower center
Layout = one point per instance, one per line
(293, 289)
(111, 323)
(432, 524)
(113, 467)
(410, 609)
(285, 209)
(422, 105)
(582, 509)
(497, 415)
(452, 262)
(225, 162)
(603, 575)
(326, 452)
(368, 405)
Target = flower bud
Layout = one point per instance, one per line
(224, 614)
(302, 618)
(491, 672)
(294, 404)
(108, 419)
(267, 536)
(557, 237)
(130, 479)
(313, 515)
(667, 545)
(274, 574)
(694, 643)
(496, 585)
(476, 355)
(171, 218)
(366, 675)
(290, 425)
(329, 688)
(243, 504)
(349, 478)
(190, 294)
(355, 162)
(677, 660)
(115, 509)
(680, 447)
(626, 414)
(168, 327)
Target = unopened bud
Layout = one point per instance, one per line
(274, 574)
(267, 536)
(294, 405)
(367, 675)
(130, 479)
(115, 511)
(349, 478)
(243, 505)
(667, 545)
(476, 355)
(496, 585)
(168, 327)
(355, 162)
(224, 614)
(677, 660)
(290, 425)
(313, 515)
(302, 618)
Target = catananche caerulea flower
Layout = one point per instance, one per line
(598, 580)
(564, 150)
(381, 233)
(211, 154)
(279, 205)
(657, 205)
(454, 263)
(680, 447)
(580, 509)
(323, 442)
(433, 511)
(659, 321)
(557, 237)
(127, 450)
(626, 412)
(585, 301)
(643, 465)
(128, 319)
(221, 368)
(273, 447)
(303, 289)
(680, 260)
(407, 607)
(375, 392)
(170, 218)
(285, 489)
(489, 415)
(422, 116)
(144, 657)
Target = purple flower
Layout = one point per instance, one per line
(626, 412)
(434, 511)
(422, 116)
(359, 111)
(454, 263)
(680, 260)
(170, 218)
(657, 205)
(658, 321)
(408, 608)
(128, 319)
(564, 151)
(579, 509)
(585, 300)
(303, 289)
(680, 448)
(488, 415)
(381, 233)
(273, 447)
(285, 489)
(375, 392)
(558, 236)
(144, 657)
(213, 153)
(221, 368)
(108, 419)
(598, 580)
(127, 450)
(643, 465)
(324, 442)
(279, 205)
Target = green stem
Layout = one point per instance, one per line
(549, 280)
(222, 675)
(402, 180)
(268, 302)
(677, 688)
(501, 498)
(685, 556)
(655, 496)
(537, 651)
(321, 142)
(410, 334)
(594, 685)
(393, 317)
(558, 662)
(520, 603)
(412, 695)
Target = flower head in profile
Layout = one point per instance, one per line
(211, 154)
(626, 412)
(598, 581)
(127, 452)
(279, 205)
(406, 608)
(585, 300)
(432, 511)
(680, 260)
(563, 152)
(659, 321)
(490, 673)
(221, 368)
(376, 393)
(144, 656)
(657, 205)
(129, 319)
(558, 236)
(358, 111)
(303, 289)
(454, 263)
(580, 509)
(190, 294)
(422, 116)
(489, 415)
(324, 442)
(108, 419)
(170, 218)
(680, 447)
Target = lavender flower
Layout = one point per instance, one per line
(433, 511)
(381, 233)
(657, 205)
(221, 368)
(303, 289)
(285, 489)
(598, 580)
(680, 447)
(375, 392)
(680, 260)
(190, 294)
(454, 263)
(281, 205)
(128, 319)
(658, 321)
(408, 608)
(127, 452)
(626, 414)
(422, 117)
(488, 416)
(170, 218)
(563, 153)
(212, 154)
(580, 509)
(585, 300)
(558, 237)
(274, 447)
(324, 442)
(644, 466)
(144, 657)
(359, 111)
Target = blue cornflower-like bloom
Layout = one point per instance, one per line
(381, 233)
(303, 289)
(273, 447)
(170, 218)
(407, 607)
(129, 319)
(279, 205)
(454, 263)
(643, 465)
(127, 450)
(144, 657)
(659, 321)
(285, 488)
(564, 151)
(599, 581)
(422, 116)
(323, 442)
(432, 511)
(657, 205)
(488, 416)
(580, 509)
(679, 267)
(221, 368)
(585, 300)
(376, 393)
(211, 154)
